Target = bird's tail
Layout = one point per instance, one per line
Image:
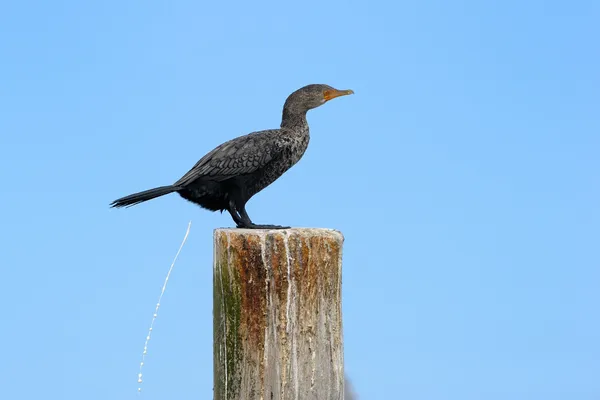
(146, 195)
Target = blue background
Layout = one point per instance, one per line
(463, 174)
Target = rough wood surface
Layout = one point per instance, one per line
(277, 314)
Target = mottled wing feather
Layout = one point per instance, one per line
(239, 156)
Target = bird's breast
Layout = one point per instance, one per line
(292, 149)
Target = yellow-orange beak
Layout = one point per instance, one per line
(333, 93)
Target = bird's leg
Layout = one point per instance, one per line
(234, 214)
(247, 222)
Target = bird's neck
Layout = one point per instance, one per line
(294, 120)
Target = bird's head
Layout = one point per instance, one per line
(312, 96)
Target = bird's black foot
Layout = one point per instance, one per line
(243, 221)
(256, 226)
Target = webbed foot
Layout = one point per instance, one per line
(258, 226)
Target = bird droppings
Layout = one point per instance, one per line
(278, 314)
(155, 315)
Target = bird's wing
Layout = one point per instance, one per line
(239, 156)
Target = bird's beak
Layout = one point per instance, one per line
(332, 94)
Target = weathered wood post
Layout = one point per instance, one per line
(277, 314)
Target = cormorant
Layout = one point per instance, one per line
(228, 176)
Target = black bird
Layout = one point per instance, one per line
(227, 177)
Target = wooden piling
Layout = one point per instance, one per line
(277, 314)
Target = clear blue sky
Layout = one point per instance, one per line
(463, 174)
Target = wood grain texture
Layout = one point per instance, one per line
(277, 314)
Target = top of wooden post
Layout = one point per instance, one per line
(297, 231)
